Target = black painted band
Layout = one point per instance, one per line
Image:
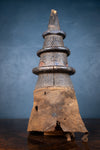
(54, 32)
(53, 69)
(54, 49)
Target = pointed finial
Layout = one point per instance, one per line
(53, 21)
(53, 26)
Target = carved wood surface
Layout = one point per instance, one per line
(52, 104)
(55, 103)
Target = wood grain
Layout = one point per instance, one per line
(54, 104)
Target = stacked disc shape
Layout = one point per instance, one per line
(53, 57)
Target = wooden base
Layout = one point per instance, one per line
(85, 137)
(69, 136)
(55, 105)
(55, 133)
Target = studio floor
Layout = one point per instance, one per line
(14, 136)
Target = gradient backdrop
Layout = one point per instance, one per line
(22, 23)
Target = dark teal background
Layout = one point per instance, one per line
(22, 23)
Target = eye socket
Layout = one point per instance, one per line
(45, 93)
(36, 108)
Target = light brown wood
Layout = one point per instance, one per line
(54, 104)
(68, 137)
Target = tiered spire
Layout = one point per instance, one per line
(54, 43)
